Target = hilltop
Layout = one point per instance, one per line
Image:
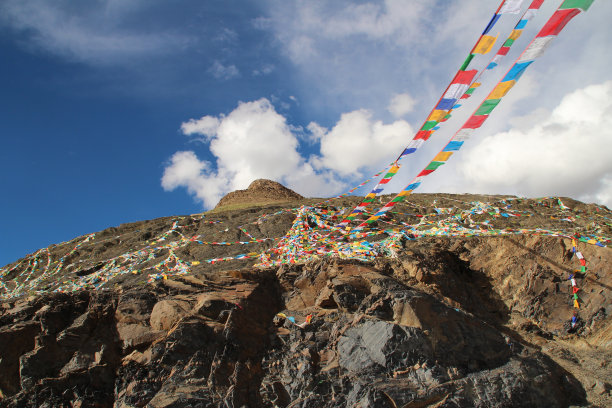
(470, 306)
(260, 191)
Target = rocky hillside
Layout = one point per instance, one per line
(472, 307)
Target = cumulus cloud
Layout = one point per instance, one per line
(562, 152)
(401, 104)
(186, 170)
(255, 141)
(565, 153)
(357, 142)
(251, 142)
(206, 126)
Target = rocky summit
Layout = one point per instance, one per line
(260, 191)
(173, 312)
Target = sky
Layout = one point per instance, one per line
(115, 111)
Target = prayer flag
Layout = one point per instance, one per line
(503, 51)
(511, 7)
(516, 71)
(436, 115)
(485, 45)
(558, 20)
(501, 89)
(467, 61)
(453, 146)
(475, 122)
(442, 156)
(536, 48)
(491, 23)
(463, 134)
(455, 91)
(433, 165)
(465, 77)
(581, 4)
(423, 134)
(521, 24)
(446, 104)
(416, 143)
(515, 34)
(487, 107)
(429, 125)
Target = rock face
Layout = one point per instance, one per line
(449, 322)
(260, 191)
(396, 333)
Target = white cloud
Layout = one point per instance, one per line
(401, 104)
(357, 142)
(254, 141)
(565, 153)
(186, 170)
(220, 71)
(206, 126)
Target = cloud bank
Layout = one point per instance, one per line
(566, 152)
(563, 152)
(255, 141)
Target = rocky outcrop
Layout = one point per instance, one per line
(260, 191)
(400, 333)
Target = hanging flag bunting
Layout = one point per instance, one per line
(505, 48)
(572, 279)
(447, 103)
(454, 91)
(555, 24)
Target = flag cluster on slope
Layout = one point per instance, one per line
(313, 234)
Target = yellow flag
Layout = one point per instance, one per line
(501, 89)
(437, 115)
(442, 156)
(404, 193)
(576, 305)
(515, 34)
(485, 44)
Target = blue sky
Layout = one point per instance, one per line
(122, 110)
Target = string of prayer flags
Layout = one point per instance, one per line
(356, 187)
(453, 92)
(505, 48)
(566, 11)
(572, 278)
(371, 196)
